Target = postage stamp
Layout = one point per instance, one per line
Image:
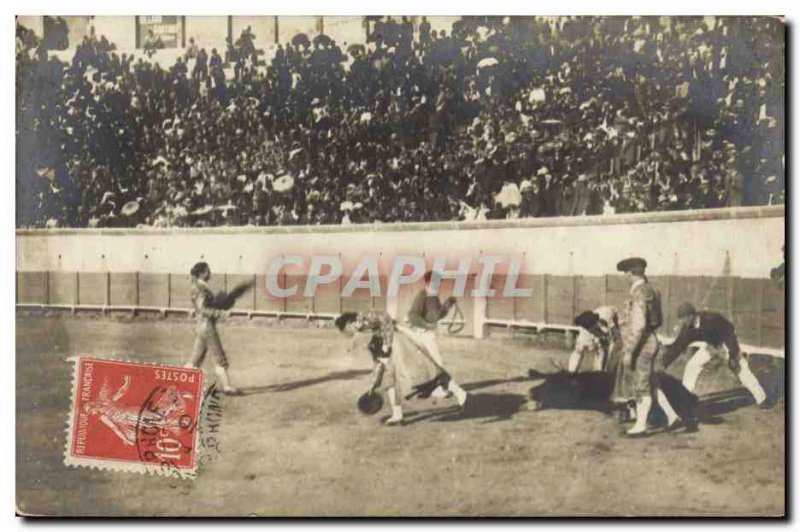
(134, 417)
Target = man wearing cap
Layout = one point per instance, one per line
(599, 337)
(640, 345)
(596, 337)
(715, 337)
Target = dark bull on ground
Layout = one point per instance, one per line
(592, 390)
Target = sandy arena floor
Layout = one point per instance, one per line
(295, 444)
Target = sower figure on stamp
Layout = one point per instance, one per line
(402, 368)
(425, 312)
(715, 337)
(206, 336)
(640, 345)
(124, 419)
(119, 418)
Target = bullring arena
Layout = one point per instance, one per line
(295, 444)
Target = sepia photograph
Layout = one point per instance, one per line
(400, 266)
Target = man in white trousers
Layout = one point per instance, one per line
(425, 312)
(715, 337)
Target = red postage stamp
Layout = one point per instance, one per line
(134, 417)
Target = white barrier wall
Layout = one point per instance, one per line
(288, 27)
(741, 242)
(350, 30)
(262, 27)
(119, 30)
(208, 32)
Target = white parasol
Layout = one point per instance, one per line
(46, 172)
(283, 183)
(130, 208)
(509, 195)
(159, 160)
(537, 95)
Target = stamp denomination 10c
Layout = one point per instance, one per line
(134, 417)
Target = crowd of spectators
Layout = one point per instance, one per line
(496, 118)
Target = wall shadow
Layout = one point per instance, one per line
(289, 386)
(488, 407)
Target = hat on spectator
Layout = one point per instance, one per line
(130, 208)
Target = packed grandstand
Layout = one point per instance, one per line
(496, 118)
